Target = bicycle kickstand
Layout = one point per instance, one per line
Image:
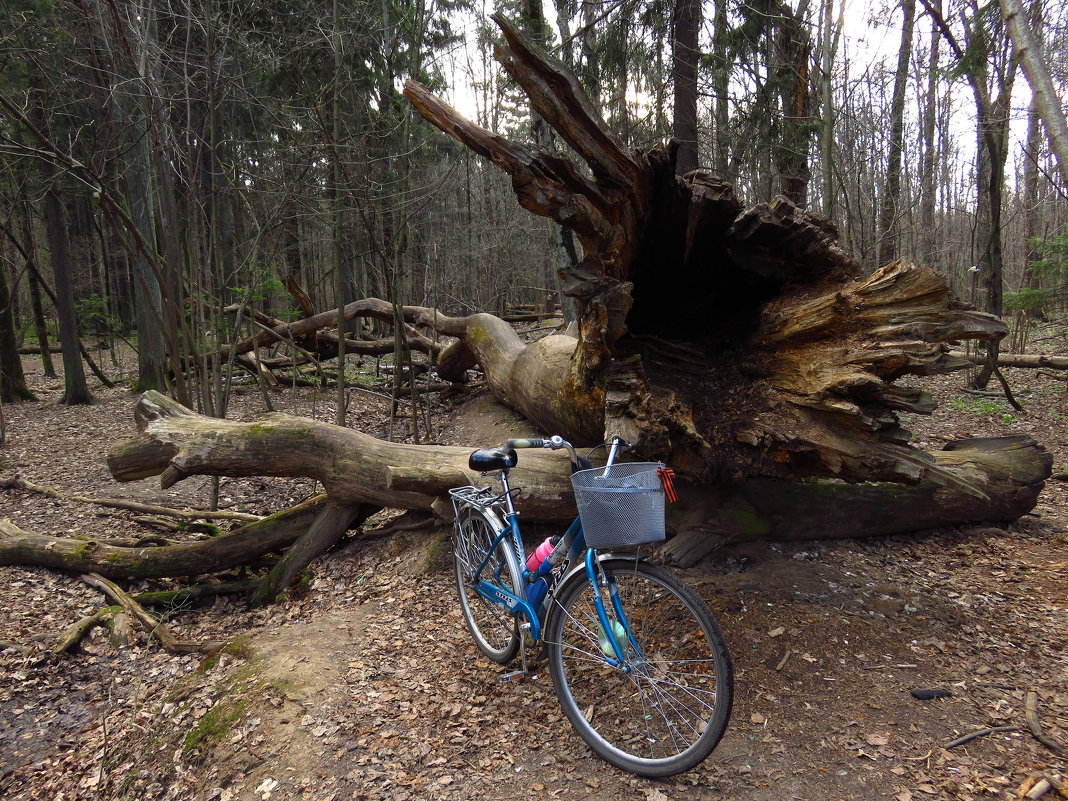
(524, 672)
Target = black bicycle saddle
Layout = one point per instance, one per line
(486, 459)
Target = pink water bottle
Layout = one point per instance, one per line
(540, 553)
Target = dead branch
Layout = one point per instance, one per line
(1035, 726)
(18, 482)
(241, 546)
(967, 738)
(72, 636)
(329, 527)
(159, 630)
(1054, 376)
(192, 592)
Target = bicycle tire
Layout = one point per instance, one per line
(660, 718)
(494, 630)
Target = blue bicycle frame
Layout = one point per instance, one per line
(496, 593)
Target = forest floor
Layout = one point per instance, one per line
(367, 686)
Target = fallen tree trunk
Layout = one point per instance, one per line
(355, 468)
(1024, 360)
(204, 557)
(360, 470)
(1011, 470)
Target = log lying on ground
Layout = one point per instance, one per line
(357, 469)
(354, 468)
(1011, 471)
(538, 379)
(241, 547)
(1031, 361)
(313, 336)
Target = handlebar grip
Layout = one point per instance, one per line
(525, 443)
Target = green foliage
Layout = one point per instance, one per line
(93, 315)
(1051, 268)
(1052, 264)
(266, 292)
(983, 406)
(986, 26)
(1029, 300)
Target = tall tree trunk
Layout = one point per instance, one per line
(1030, 206)
(128, 116)
(685, 26)
(792, 147)
(334, 194)
(39, 323)
(992, 112)
(721, 87)
(890, 211)
(12, 380)
(928, 186)
(829, 45)
(76, 391)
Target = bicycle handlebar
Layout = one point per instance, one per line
(526, 443)
(557, 442)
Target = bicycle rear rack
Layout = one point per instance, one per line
(481, 498)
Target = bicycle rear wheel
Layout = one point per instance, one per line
(667, 707)
(494, 629)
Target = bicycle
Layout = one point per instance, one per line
(638, 662)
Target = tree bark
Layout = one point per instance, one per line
(1025, 360)
(29, 253)
(353, 467)
(929, 242)
(329, 527)
(1011, 471)
(12, 380)
(971, 480)
(792, 148)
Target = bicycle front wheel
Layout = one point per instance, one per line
(495, 630)
(665, 709)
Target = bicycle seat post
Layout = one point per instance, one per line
(507, 494)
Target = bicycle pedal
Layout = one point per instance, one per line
(516, 675)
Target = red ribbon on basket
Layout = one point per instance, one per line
(666, 475)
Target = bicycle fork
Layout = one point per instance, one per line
(596, 577)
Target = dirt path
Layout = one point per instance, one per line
(369, 687)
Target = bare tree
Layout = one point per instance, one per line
(1047, 102)
(890, 212)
